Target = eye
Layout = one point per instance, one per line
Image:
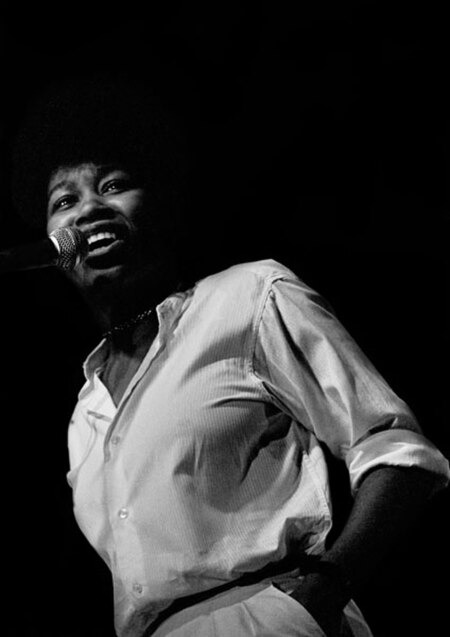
(118, 184)
(63, 203)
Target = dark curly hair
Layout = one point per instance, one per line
(102, 121)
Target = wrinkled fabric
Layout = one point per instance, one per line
(261, 610)
(212, 464)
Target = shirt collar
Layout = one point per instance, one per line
(167, 312)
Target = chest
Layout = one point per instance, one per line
(193, 399)
(119, 371)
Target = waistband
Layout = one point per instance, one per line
(285, 569)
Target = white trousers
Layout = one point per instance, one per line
(258, 610)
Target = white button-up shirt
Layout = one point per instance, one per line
(211, 465)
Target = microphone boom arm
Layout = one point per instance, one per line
(64, 248)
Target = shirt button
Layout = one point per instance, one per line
(123, 513)
(137, 588)
(115, 440)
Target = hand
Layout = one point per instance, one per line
(323, 599)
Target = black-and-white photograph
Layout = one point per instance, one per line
(225, 319)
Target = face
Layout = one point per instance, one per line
(115, 213)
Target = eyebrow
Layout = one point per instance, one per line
(64, 183)
(102, 170)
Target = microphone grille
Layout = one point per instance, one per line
(72, 247)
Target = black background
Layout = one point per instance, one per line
(322, 135)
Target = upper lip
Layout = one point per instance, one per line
(101, 235)
(103, 226)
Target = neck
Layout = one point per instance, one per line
(129, 325)
(135, 336)
(127, 299)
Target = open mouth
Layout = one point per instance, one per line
(101, 240)
(105, 244)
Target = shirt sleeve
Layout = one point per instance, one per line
(313, 370)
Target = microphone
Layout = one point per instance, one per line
(64, 248)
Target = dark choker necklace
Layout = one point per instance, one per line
(126, 325)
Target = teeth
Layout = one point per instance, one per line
(101, 236)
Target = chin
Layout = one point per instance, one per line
(92, 281)
(124, 283)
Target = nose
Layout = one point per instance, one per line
(92, 208)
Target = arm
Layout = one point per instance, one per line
(313, 370)
(387, 502)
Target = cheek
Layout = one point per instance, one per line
(51, 225)
(143, 219)
(135, 207)
(56, 221)
(150, 217)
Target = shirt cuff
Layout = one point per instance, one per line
(396, 447)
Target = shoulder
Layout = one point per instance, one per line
(246, 288)
(252, 274)
(257, 280)
(239, 290)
